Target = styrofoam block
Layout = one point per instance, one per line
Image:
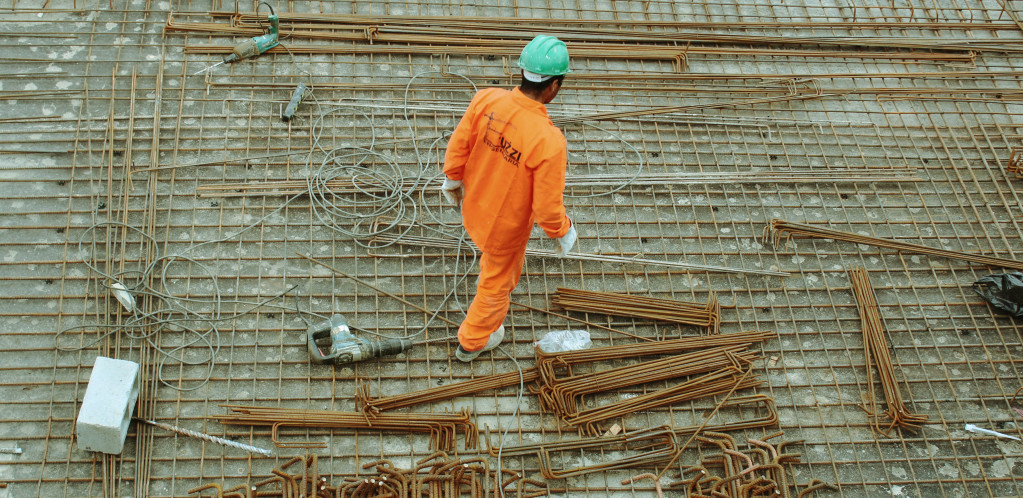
(108, 405)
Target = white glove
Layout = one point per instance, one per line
(565, 242)
(452, 190)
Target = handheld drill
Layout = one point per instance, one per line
(343, 347)
(255, 45)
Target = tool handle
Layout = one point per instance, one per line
(327, 329)
(315, 354)
(275, 23)
(269, 40)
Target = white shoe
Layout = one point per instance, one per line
(493, 342)
(495, 339)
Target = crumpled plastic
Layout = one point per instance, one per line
(557, 341)
(1003, 290)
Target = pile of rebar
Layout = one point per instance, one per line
(547, 363)
(875, 348)
(759, 403)
(722, 354)
(639, 30)
(715, 383)
(561, 396)
(374, 406)
(646, 448)
(758, 470)
(649, 308)
(436, 476)
(490, 37)
(307, 482)
(440, 476)
(1014, 167)
(779, 231)
(442, 427)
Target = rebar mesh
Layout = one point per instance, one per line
(106, 125)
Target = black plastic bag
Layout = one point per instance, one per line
(1003, 290)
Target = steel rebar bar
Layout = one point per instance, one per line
(779, 231)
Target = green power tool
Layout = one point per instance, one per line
(255, 45)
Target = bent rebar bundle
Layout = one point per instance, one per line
(711, 365)
(757, 471)
(373, 406)
(436, 475)
(650, 308)
(643, 448)
(875, 348)
(561, 396)
(442, 427)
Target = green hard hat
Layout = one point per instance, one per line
(545, 55)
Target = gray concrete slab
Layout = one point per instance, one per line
(110, 146)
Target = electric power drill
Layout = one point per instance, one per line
(343, 347)
(255, 45)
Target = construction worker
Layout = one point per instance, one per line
(505, 166)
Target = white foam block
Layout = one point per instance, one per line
(108, 405)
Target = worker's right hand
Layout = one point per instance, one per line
(452, 190)
(565, 242)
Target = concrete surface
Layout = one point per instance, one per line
(94, 94)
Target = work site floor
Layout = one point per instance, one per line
(700, 136)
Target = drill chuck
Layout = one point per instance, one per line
(356, 351)
(387, 347)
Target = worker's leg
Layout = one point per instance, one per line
(499, 274)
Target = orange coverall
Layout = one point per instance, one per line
(511, 160)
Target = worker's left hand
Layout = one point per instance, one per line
(565, 242)
(452, 190)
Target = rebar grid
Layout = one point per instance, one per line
(114, 100)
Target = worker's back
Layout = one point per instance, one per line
(511, 159)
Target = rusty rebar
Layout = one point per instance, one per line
(667, 310)
(434, 394)
(442, 427)
(1015, 164)
(643, 448)
(779, 231)
(710, 384)
(562, 396)
(547, 363)
(442, 477)
(875, 348)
